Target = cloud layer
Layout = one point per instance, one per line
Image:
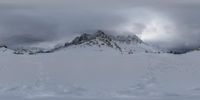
(164, 23)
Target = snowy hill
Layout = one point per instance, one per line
(87, 74)
(98, 66)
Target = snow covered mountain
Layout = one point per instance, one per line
(87, 73)
(98, 66)
(123, 44)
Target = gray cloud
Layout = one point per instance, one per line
(164, 23)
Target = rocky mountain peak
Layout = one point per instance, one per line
(3, 46)
(100, 35)
(97, 39)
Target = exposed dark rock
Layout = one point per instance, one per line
(128, 39)
(3, 46)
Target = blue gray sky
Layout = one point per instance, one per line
(164, 23)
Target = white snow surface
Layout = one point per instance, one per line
(93, 73)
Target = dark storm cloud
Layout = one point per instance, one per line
(22, 27)
(166, 23)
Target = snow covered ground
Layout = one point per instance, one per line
(99, 74)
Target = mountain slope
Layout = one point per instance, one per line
(82, 73)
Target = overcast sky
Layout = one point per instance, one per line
(166, 23)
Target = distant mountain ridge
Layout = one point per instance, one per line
(124, 44)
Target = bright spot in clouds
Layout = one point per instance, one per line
(158, 29)
(151, 26)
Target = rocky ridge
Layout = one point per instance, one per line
(124, 44)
